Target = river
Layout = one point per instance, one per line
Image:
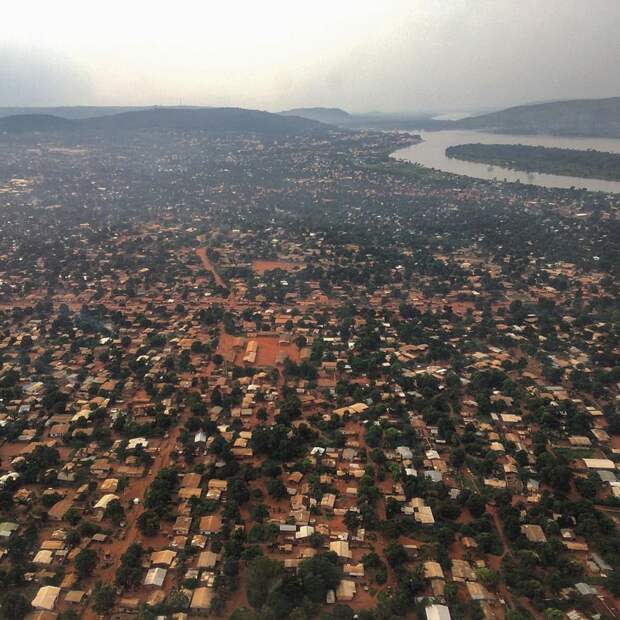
(432, 154)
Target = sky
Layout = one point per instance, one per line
(392, 56)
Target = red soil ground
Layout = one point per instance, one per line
(260, 266)
(269, 349)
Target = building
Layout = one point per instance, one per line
(46, 598)
(437, 612)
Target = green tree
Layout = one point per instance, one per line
(264, 575)
(476, 504)
(276, 488)
(104, 597)
(395, 554)
(73, 516)
(487, 577)
(320, 574)
(176, 601)
(115, 512)
(85, 562)
(129, 573)
(14, 606)
(148, 523)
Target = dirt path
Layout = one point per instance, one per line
(498, 526)
(503, 590)
(208, 265)
(131, 533)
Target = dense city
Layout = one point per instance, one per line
(262, 377)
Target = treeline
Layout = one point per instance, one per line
(566, 162)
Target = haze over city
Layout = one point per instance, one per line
(310, 310)
(394, 56)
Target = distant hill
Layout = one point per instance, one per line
(71, 112)
(341, 118)
(217, 120)
(34, 122)
(331, 116)
(580, 117)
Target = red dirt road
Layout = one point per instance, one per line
(208, 265)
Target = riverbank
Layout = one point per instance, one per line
(589, 164)
(431, 153)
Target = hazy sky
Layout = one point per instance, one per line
(380, 55)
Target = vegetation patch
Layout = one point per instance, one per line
(565, 162)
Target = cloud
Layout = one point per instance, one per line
(362, 55)
(30, 77)
(476, 54)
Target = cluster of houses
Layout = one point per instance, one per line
(102, 383)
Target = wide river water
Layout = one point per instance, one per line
(432, 154)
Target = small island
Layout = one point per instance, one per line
(565, 162)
